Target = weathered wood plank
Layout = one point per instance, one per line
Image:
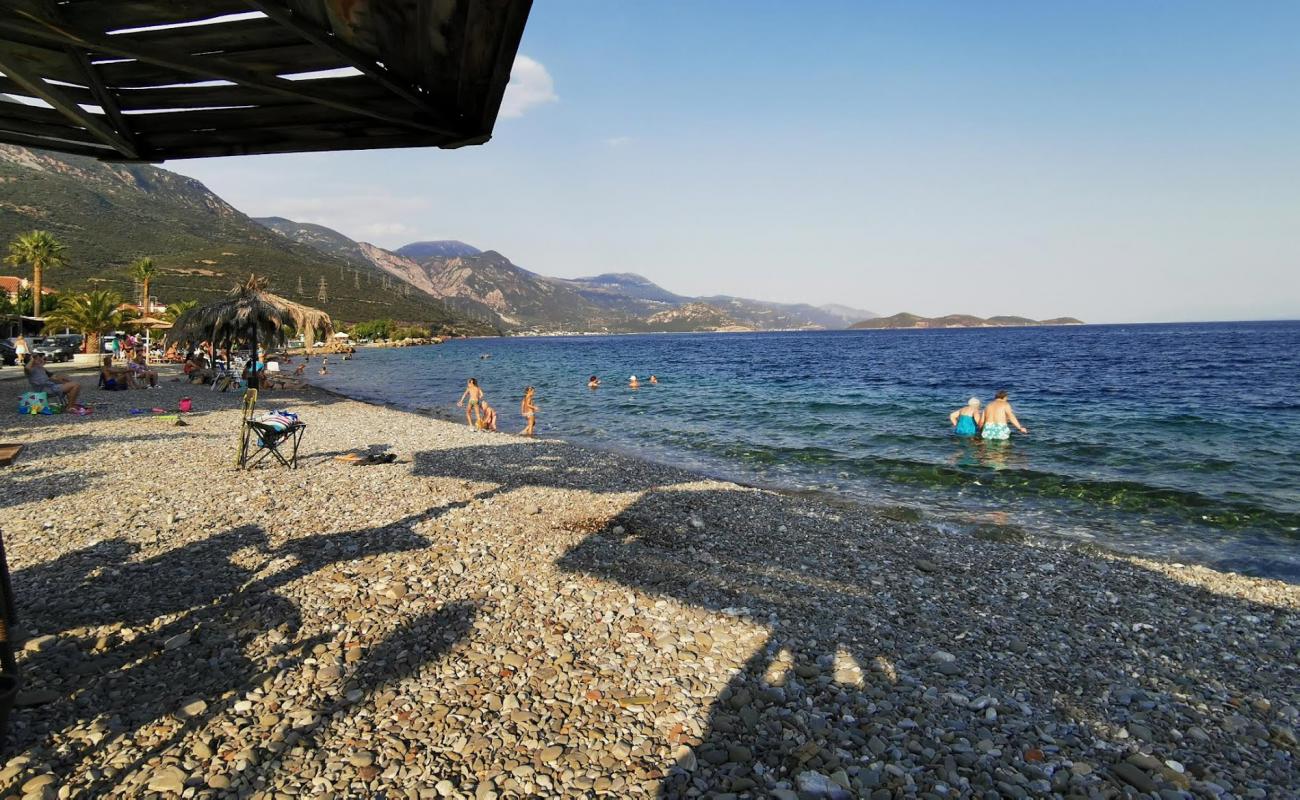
(100, 16)
(245, 34)
(78, 93)
(278, 60)
(314, 132)
(84, 148)
(243, 118)
(195, 149)
(353, 89)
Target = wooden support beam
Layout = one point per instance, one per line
(103, 97)
(65, 105)
(210, 67)
(329, 41)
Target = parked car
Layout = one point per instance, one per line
(53, 350)
(8, 355)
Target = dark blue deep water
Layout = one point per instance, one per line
(1176, 441)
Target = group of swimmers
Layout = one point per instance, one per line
(632, 383)
(479, 414)
(994, 422)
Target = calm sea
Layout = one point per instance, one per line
(1177, 441)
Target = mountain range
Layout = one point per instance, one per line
(906, 320)
(107, 215)
(486, 286)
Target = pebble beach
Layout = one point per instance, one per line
(494, 617)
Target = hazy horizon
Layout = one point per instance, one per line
(1114, 162)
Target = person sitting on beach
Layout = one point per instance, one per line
(966, 420)
(141, 370)
(196, 368)
(41, 380)
(487, 416)
(113, 378)
(633, 383)
(999, 419)
(474, 395)
(593, 382)
(529, 409)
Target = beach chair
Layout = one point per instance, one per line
(276, 435)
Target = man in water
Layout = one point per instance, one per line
(999, 419)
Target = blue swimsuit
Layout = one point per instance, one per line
(965, 425)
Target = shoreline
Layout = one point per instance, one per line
(495, 616)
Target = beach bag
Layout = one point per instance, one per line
(33, 402)
(186, 404)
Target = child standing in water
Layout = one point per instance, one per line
(474, 395)
(529, 409)
(487, 416)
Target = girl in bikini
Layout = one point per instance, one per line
(529, 409)
(474, 395)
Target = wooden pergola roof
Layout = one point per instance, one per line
(150, 80)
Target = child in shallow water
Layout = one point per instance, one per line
(529, 409)
(487, 416)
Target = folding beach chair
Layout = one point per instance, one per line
(276, 434)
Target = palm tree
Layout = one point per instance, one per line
(41, 250)
(174, 310)
(91, 314)
(143, 270)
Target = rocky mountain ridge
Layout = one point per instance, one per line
(906, 320)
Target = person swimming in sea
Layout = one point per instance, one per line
(474, 395)
(529, 410)
(967, 419)
(324, 365)
(654, 379)
(487, 416)
(593, 382)
(999, 419)
(633, 383)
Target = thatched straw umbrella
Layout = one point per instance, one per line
(248, 314)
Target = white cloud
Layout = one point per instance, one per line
(385, 228)
(615, 142)
(530, 86)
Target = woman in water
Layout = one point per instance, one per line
(473, 395)
(633, 383)
(967, 419)
(593, 382)
(529, 409)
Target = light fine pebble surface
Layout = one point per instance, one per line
(491, 617)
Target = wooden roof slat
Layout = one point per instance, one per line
(119, 14)
(60, 129)
(306, 132)
(239, 118)
(244, 34)
(303, 57)
(84, 148)
(79, 93)
(354, 88)
(290, 143)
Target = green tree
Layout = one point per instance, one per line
(143, 270)
(90, 314)
(174, 310)
(41, 251)
(373, 329)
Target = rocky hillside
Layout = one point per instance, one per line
(447, 248)
(693, 317)
(108, 215)
(905, 320)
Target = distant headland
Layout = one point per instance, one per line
(906, 320)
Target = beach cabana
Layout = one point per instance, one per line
(149, 324)
(150, 80)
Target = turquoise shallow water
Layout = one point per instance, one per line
(1178, 441)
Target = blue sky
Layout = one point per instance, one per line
(1116, 161)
